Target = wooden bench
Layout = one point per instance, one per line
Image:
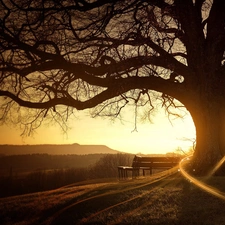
(147, 163)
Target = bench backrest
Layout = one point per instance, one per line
(155, 162)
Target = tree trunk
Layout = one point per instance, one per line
(208, 116)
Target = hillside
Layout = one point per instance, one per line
(154, 200)
(18, 164)
(55, 149)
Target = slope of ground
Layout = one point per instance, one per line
(154, 200)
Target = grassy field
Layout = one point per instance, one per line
(159, 199)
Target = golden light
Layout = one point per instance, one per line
(200, 184)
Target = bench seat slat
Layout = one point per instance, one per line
(157, 159)
(155, 164)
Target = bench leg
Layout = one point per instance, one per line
(121, 173)
(125, 175)
(135, 173)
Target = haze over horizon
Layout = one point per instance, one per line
(161, 136)
(55, 149)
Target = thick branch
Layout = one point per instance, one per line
(116, 88)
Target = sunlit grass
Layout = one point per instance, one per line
(150, 207)
(157, 199)
(29, 208)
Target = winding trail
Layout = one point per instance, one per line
(112, 192)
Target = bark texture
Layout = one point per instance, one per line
(208, 117)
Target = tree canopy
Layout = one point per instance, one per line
(108, 54)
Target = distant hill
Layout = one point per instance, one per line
(55, 149)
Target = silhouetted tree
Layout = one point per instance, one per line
(58, 56)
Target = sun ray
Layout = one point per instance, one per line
(218, 165)
(199, 183)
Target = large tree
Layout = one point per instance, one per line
(60, 56)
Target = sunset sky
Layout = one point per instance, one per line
(158, 137)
